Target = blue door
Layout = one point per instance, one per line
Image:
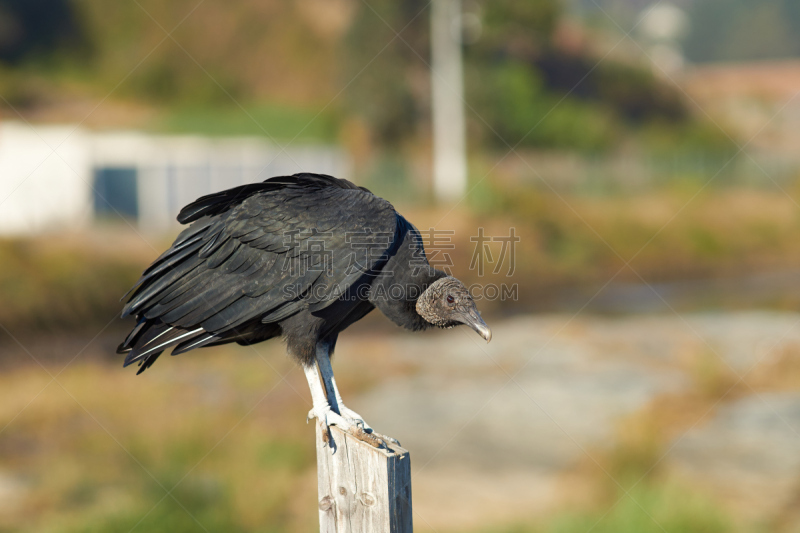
(115, 192)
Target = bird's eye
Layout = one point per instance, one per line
(450, 299)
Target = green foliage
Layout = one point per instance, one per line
(20, 88)
(508, 24)
(515, 104)
(522, 86)
(518, 81)
(633, 92)
(278, 122)
(385, 74)
(184, 51)
(52, 288)
(655, 509)
(194, 506)
(689, 137)
(388, 176)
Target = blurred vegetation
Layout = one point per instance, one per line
(386, 75)
(657, 509)
(719, 30)
(567, 241)
(534, 91)
(225, 439)
(48, 286)
(341, 73)
(280, 122)
(634, 491)
(577, 236)
(530, 115)
(286, 61)
(739, 30)
(245, 49)
(222, 438)
(522, 86)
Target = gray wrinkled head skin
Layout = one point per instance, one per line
(447, 303)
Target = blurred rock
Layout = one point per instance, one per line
(11, 491)
(549, 393)
(748, 453)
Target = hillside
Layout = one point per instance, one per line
(233, 68)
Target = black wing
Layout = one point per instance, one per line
(255, 255)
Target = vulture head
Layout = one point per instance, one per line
(446, 303)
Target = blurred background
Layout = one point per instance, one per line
(617, 180)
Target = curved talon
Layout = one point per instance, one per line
(353, 426)
(330, 418)
(355, 417)
(359, 421)
(326, 419)
(387, 439)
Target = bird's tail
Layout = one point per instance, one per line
(150, 338)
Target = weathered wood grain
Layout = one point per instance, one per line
(362, 489)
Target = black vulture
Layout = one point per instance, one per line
(302, 257)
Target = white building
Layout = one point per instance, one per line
(64, 177)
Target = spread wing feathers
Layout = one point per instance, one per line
(255, 255)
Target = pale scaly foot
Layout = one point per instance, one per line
(357, 419)
(326, 417)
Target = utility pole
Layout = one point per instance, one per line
(447, 78)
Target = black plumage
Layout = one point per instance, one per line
(301, 256)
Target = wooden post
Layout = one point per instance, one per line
(362, 489)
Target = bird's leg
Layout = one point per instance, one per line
(321, 409)
(335, 398)
(327, 417)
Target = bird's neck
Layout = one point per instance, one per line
(396, 296)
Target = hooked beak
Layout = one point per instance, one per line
(472, 319)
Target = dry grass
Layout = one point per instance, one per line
(223, 426)
(569, 242)
(94, 457)
(73, 281)
(97, 450)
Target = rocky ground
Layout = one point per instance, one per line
(515, 427)
(559, 412)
